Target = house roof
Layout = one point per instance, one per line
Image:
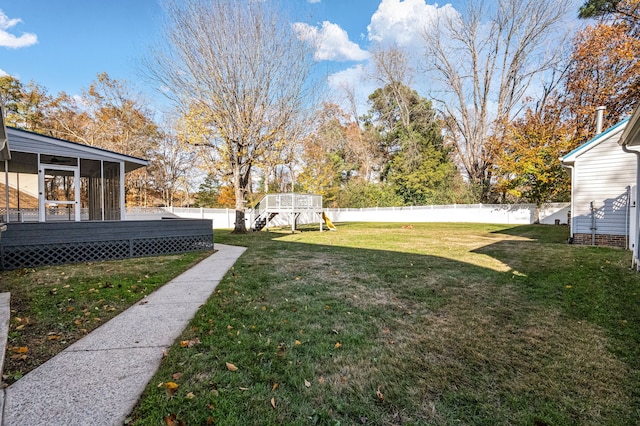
(631, 135)
(595, 141)
(25, 141)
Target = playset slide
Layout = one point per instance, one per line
(327, 222)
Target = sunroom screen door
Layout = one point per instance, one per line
(59, 194)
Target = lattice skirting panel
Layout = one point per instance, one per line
(28, 256)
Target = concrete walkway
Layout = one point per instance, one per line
(98, 380)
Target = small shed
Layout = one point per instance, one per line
(64, 202)
(603, 181)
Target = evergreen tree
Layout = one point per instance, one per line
(417, 162)
(208, 192)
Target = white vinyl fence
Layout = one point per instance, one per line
(511, 214)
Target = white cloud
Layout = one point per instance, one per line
(352, 79)
(401, 22)
(349, 77)
(9, 40)
(3, 72)
(331, 42)
(314, 1)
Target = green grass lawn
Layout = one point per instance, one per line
(53, 306)
(381, 324)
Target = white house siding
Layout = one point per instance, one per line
(603, 175)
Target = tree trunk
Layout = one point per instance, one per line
(241, 175)
(240, 227)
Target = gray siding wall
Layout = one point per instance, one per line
(25, 245)
(602, 175)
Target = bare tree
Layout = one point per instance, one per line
(173, 165)
(485, 69)
(239, 66)
(393, 71)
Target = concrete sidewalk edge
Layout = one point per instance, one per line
(5, 315)
(99, 379)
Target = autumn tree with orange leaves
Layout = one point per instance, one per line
(604, 70)
(529, 170)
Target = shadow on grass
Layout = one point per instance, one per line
(383, 335)
(538, 233)
(591, 285)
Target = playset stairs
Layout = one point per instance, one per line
(262, 220)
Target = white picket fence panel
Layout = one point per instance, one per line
(509, 214)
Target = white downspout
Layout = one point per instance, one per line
(593, 222)
(626, 217)
(571, 221)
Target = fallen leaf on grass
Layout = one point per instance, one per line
(338, 345)
(298, 342)
(244, 389)
(275, 386)
(172, 420)
(321, 380)
(171, 388)
(189, 343)
(379, 394)
(190, 395)
(176, 376)
(20, 327)
(231, 367)
(20, 349)
(273, 402)
(307, 383)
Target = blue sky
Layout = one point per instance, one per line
(64, 44)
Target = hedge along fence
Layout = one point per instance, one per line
(509, 214)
